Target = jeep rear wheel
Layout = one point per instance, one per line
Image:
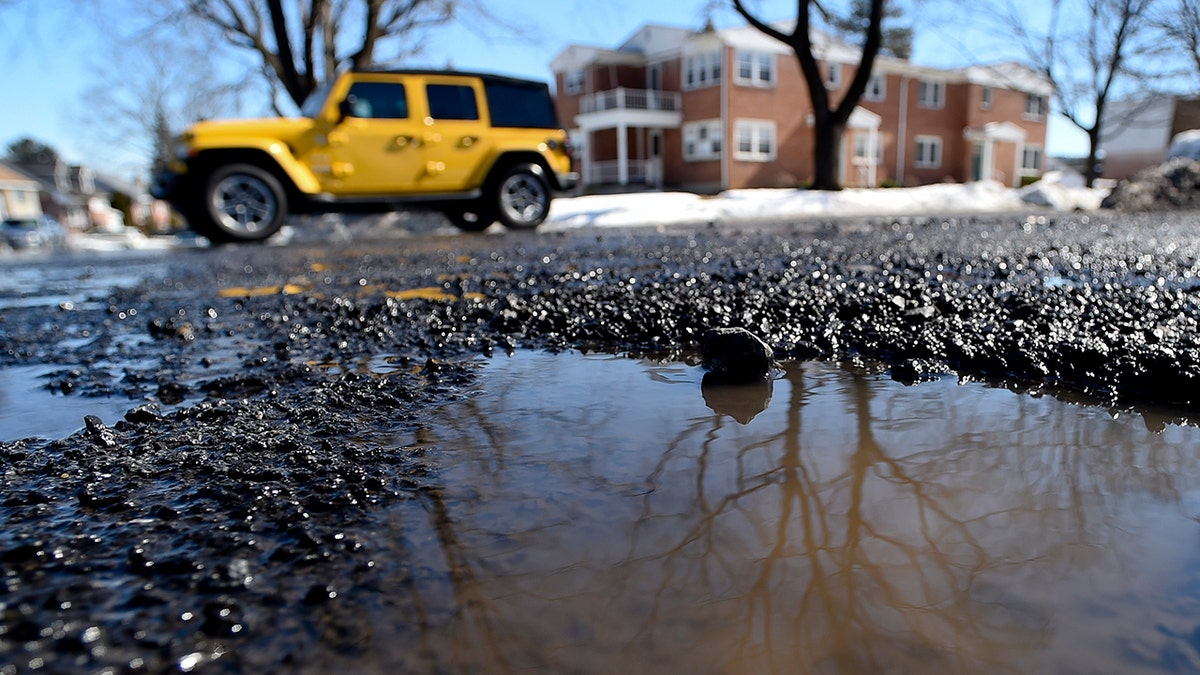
(241, 202)
(522, 197)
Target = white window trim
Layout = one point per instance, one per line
(756, 129)
(939, 94)
(756, 63)
(869, 94)
(986, 98)
(712, 131)
(931, 141)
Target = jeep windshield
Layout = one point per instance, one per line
(316, 101)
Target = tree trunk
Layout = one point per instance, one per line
(829, 121)
(1091, 171)
(827, 144)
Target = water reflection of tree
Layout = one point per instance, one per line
(876, 552)
(864, 599)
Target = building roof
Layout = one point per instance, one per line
(12, 176)
(652, 40)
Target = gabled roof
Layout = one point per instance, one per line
(574, 57)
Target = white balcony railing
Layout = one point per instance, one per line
(639, 172)
(630, 99)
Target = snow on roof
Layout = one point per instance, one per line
(1010, 75)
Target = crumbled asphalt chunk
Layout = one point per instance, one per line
(734, 356)
(277, 397)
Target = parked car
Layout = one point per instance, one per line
(478, 147)
(39, 232)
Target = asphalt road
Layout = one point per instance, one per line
(223, 521)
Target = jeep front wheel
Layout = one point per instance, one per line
(241, 202)
(523, 197)
(469, 217)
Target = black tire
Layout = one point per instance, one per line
(469, 217)
(240, 202)
(522, 197)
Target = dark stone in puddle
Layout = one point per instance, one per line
(743, 402)
(735, 355)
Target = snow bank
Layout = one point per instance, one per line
(672, 208)
(1175, 184)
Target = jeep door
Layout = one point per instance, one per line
(456, 142)
(376, 148)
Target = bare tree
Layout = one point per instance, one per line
(1092, 52)
(150, 89)
(829, 117)
(1180, 23)
(302, 43)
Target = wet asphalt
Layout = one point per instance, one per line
(276, 395)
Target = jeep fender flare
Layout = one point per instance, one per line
(270, 155)
(506, 160)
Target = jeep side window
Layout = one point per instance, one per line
(451, 102)
(377, 100)
(516, 104)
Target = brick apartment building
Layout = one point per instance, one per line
(717, 109)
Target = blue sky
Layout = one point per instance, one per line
(47, 48)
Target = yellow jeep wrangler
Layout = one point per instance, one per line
(477, 147)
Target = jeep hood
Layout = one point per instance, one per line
(227, 132)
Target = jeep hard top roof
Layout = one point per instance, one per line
(491, 77)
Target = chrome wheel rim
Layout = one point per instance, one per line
(523, 198)
(244, 204)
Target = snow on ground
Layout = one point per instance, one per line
(1053, 192)
(673, 208)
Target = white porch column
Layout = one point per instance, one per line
(587, 168)
(622, 154)
(985, 171)
(872, 166)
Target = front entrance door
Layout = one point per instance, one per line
(654, 168)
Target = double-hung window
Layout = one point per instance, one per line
(1035, 107)
(931, 94)
(702, 140)
(1031, 160)
(929, 152)
(833, 75)
(754, 140)
(574, 81)
(876, 88)
(702, 70)
(755, 69)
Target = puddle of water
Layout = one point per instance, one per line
(599, 516)
(42, 285)
(29, 409)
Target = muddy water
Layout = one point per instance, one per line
(608, 515)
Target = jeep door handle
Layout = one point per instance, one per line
(403, 141)
(467, 141)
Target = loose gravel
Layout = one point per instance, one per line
(277, 396)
